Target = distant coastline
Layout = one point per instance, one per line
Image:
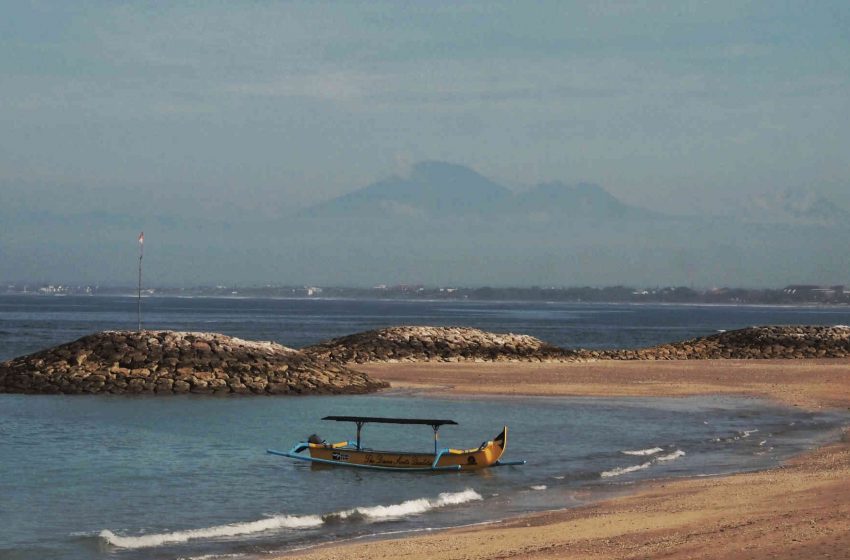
(794, 294)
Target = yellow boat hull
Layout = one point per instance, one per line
(456, 459)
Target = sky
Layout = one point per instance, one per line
(266, 107)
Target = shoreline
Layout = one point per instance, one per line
(799, 508)
(814, 384)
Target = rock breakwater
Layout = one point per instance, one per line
(439, 344)
(753, 343)
(167, 362)
(453, 344)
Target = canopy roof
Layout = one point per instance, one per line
(381, 420)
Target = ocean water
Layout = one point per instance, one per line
(104, 477)
(99, 477)
(31, 323)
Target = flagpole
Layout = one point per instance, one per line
(141, 254)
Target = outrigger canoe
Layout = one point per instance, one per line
(353, 454)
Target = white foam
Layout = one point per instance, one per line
(230, 530)
(211, 557)
(539, 487)
(671, 457)
(561, 477)
(643, 452)
(375, 513)
(625, 470)
(748, 433)
(411, 507)
(761, 443)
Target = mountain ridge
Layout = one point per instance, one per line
(434, 189)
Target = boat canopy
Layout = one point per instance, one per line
(381, 420)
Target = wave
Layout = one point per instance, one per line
(658, 459)
(409, 507)
(643, 452)
(539, 487)
(230, 530)
(671, 456)
(277, 522)
(624, 470)
(212, 557)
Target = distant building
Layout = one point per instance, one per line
(810, 292)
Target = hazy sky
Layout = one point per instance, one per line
(673, 105)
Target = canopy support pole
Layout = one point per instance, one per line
(359, 425)
(436, 436)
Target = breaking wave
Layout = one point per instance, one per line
(643, 452)
(671, 456)
(409, 507)
(625, 470)
(374, 513)
(230, 530)
(658, 459)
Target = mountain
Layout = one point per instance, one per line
(441, 224)
(582, 201)
(438, 189)
(432, 189)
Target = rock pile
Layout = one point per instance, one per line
(770, 342)
(454, 344)
(165, 362)
(442, 344)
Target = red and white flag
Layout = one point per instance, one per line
(142, 238)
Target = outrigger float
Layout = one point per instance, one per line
(353, 454)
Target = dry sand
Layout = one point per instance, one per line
(798, 510)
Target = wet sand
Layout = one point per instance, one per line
(798, 510)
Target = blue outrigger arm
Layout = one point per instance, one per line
(299, 448)
(295, 453)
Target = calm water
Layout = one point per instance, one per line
(131, 478)
(30, 323)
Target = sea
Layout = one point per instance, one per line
(122, 477)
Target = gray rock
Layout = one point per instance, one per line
(167, 362)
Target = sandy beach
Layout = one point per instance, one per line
(800, 509)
